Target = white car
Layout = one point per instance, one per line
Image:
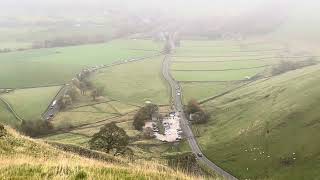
(178, 94)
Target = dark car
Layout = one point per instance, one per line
(199, 155)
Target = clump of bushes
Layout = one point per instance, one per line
(285, 66)
(36, 128)
(143, 115)
(196, 113)
(186, 161)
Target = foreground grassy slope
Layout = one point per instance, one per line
(269, 129)
(24, 158)
(31, 103)
(58, 65)
(135, 82)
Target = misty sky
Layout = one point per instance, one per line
(180, 8)
(220, 7)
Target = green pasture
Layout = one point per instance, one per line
(31, 103)
(83, 115)
(232, 75)
(135, 82)
(230, 48)
(59, 65)
(202, 90)
(223, 59)
(218, 65)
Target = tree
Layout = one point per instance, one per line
(73, 93)
(110, 138)
(100, 90)
(61, 103)
(67, 100)
(199, 116)
(64, 101)
(144, 114)
(76, 82)
(83, 88)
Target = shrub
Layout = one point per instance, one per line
(186, 161)
(36, 128)
(193, 107)
(199, 115)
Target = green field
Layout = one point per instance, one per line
(202, 90)
(59, 65)
(135, 82)
(31, 103)
(222, 60)
(208, 68)
(228, 48)
(218, 65)
(268, 129)
(215, 75)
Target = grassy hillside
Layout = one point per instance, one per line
(269, 129)
(24, 158)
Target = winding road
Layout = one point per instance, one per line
(178, 107)
(54, 109)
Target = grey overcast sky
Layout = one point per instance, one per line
(169, 7)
